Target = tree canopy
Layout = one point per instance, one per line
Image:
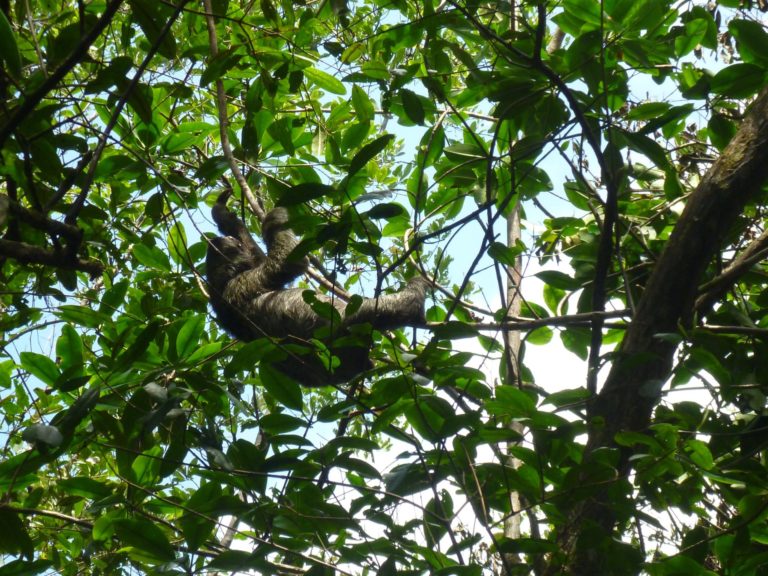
(586, 178)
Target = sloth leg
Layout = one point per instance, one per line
(391, 311)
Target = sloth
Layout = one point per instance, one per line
(249, 297)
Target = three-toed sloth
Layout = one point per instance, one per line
(249, 297)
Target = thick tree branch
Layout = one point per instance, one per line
(41, 222)
(644, 362)
(28, 254)
(670, 294)
(58, 257)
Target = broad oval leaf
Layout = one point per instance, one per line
(146, 541)
(325, 81)
(189, 335)
(40, 366)
(368, 152)
(739, 80)
(284, 389)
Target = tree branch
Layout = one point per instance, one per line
(32, 100)
(644, 361)
(221, 106)
(716, 288)
(28, 254)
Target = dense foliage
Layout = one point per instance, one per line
(405, 137)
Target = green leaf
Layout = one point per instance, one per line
(113, 298)
(177, 448)
(413, 106)
(104, 527)
(455, 330)
(512, 402)
(552, 297)
(240, 561)
(375, 70)
(355, 135)
(720, 130)
(198, 521)
(120, 165)
(86, 487)
(145, 540)
(9, 50)
(368, 153)
(140, 100)
(151, 18)
(353, 52)
(648, 111)
(138, 347)
(695, 30)
(576, 340)
(505, 254)
(464, 153)
(325, 81)
(25, 568)
(739, 80)
(14, 538)
(46, 158)
(527, 546)
(751, 40)
(152, 257)
(432, 417)
(69, 348)
(679, 565)
(586, 11)
(282, 131)
(205, 351)
(40, 366)
(433, 142)
(650, 148)
(539, 336)
(212, 168)
(558, 279)
(699, 453)
(146, 466)
(6, 369)
(673, 115)
(386, 211)
(362, 104)
(304, 192)
(114, 74)
(567, 397)
(189, 335)
(177, 243)
(179, 142)
(71, 418)
(285, 390)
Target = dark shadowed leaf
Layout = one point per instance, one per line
(145, 540)
(368, 152)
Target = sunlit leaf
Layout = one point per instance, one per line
(325, 81)
(189, 336)
(40, 366)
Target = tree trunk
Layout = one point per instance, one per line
(644, 362)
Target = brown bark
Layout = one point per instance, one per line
(28, 254)
(631, 392)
